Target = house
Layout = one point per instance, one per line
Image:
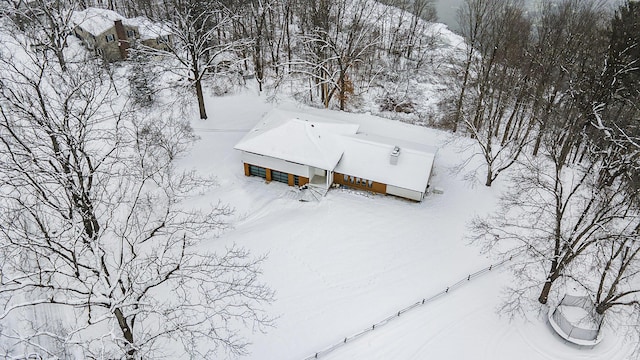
(111, 35)
(302, 149)
(152, 34)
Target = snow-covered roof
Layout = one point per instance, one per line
(298, 138)
(368, 156)
(148, 29)
(96, 21)
(333, 144)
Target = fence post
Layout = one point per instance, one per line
(373, 327)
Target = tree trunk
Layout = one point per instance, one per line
(546, 289)
(200, 95)
(458, 113)
(489, 176)
(342, 92)
(126, 332)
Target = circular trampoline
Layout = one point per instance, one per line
(576, 320)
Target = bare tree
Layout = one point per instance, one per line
(340, 40)
(568, 51)
(553, 215)
(94, 224)
(259, 22)
(406, 30)
(202, 46)
(473, 17)
(46, 24)
(613, 110)
(618, 268)
(493, 111)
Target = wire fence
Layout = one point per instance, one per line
(397, 314)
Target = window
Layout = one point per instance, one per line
(370, 183)
(110, 38)
(131, 33)
(345, 178)
(279, 176)
(258, 171)
(296, 180)
(99, 52)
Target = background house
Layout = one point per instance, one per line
(111, 35)
(152, 34)
(299, 149)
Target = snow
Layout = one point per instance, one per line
(328, 140)
(284, 136)
(367, 156)
(147, 29)
(95, 21)
(354, 258)
(578, 316)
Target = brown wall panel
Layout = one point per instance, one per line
(376, 187)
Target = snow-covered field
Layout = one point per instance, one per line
(352, 259)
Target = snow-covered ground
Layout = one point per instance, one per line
(352, 259)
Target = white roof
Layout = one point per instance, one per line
(95, 21)
(148, 29)
(333, 144)
(367, 156)
(298, 138)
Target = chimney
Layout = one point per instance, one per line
(123, 42)
(393, 159)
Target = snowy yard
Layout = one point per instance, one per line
(352, 259)
(125, 235)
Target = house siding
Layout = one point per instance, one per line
(405, 193)
(268, 175)
(376, 187)
(276, 164)
(110, 49)
(118, 49)
(159, 45)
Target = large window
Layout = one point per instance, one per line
(279, 176)
(258, 171)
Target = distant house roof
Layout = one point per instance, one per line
(95, 21)
(148, 29)
(338, 145)
(298, 138)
